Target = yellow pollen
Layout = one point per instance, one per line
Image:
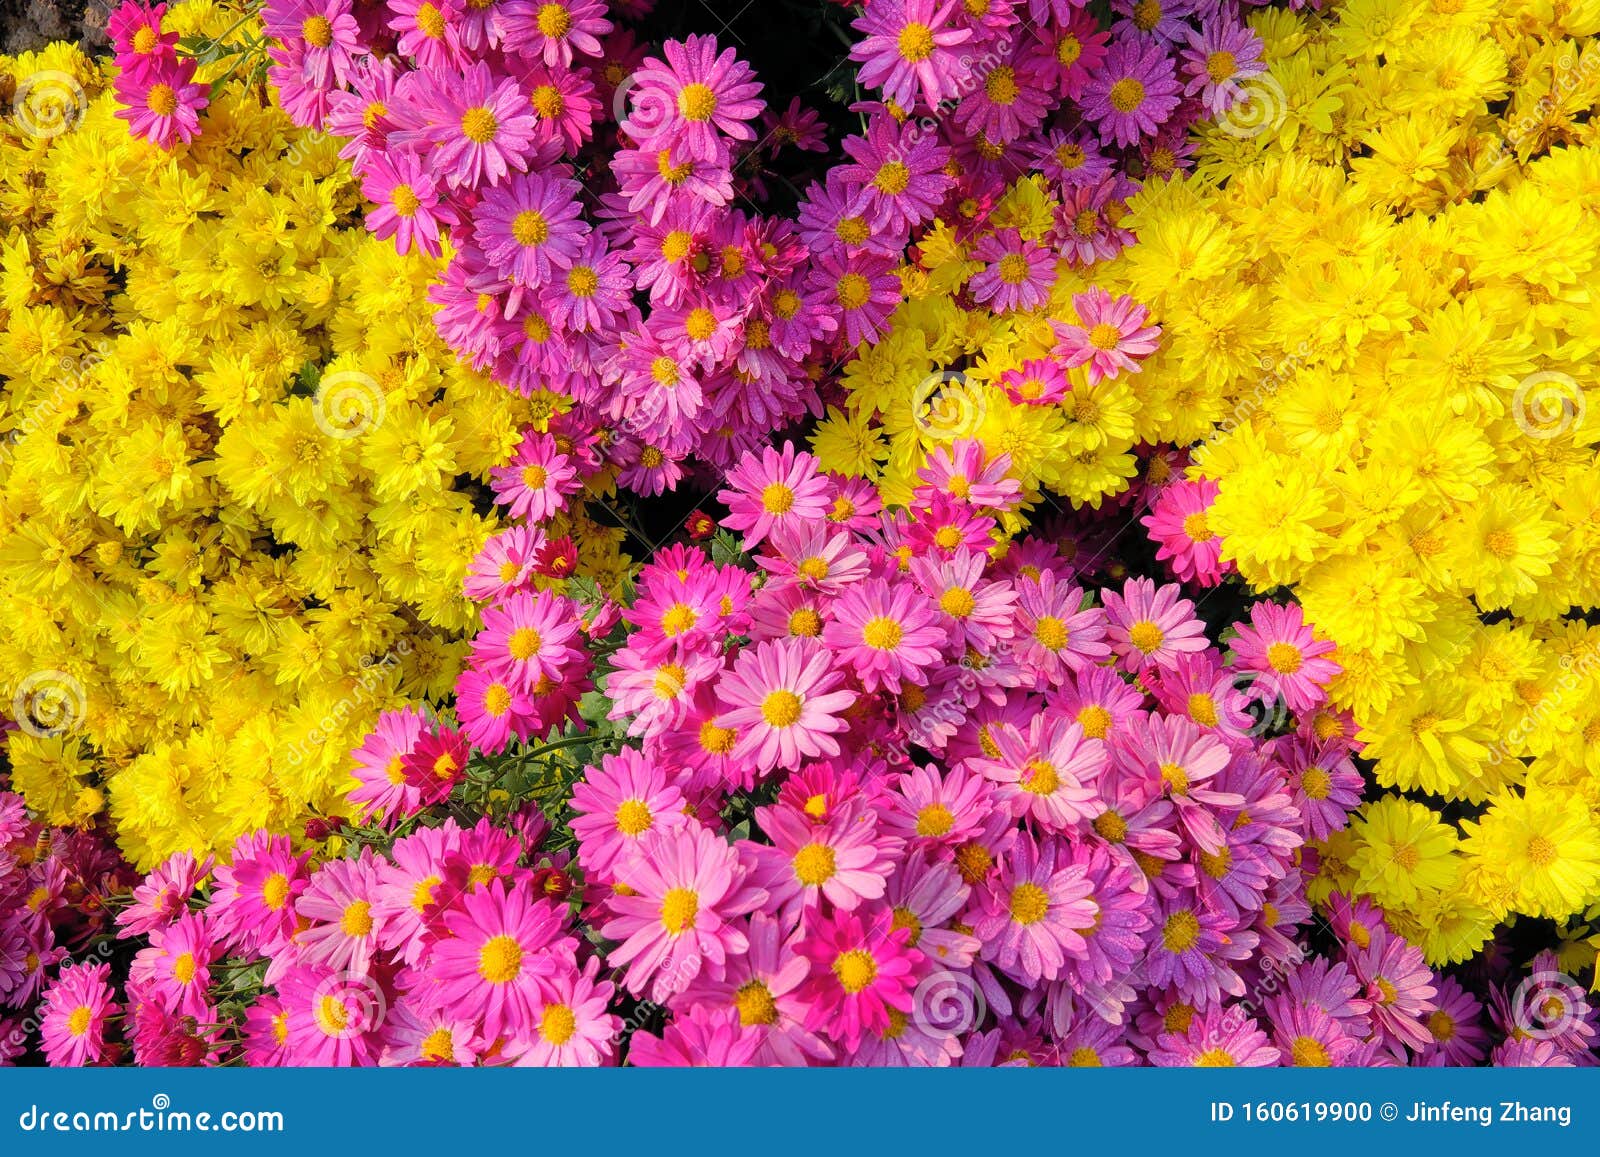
(915, 43)
(1146, 636)
(1316, 783)
(1029, 903)
(805, 623)
(1095, 720)
(497, 700)
(957, 602)
(1500, 543)
(1181, 932)
(162, 100)
(781, 708)
(700, 324)
(1040, 778)
(1111, 827)
(145, 40)
(892, 178)
(934, 820)
(716, 740)
(558, 1024)
(813, 568)
(1220, 65)
(1051, 633)
(776, 498)
(1541, 851)
(679, 618)
(332, 1016)
(633, 817)
(523, 644)
(852, 291)
(881, 633)
(1176, 778)
(479, 126)
(697, 102)
(405, 200)
(438, 1045)
(1084, 1057)
(318, 32)
(755, 1004)
(275, 891)
(668, 683)
(530, 228)
(679, 907)
(814, 865)
(1203, 709)
(554, 21)
(1284, 658)
(850, 230)
(1000, 86)
(1127, 94)
(855, 969)
(1197, 528)
(974, 861)
(183, 967)
(1215, 1059)
(1442, 1025)
(356, 920)
(430, 22)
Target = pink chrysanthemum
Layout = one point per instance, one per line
(75, 1013)
(1133, 93)
(1151, 626)
(1279, 645)
(1110, 336)
(785, 701)
(863, 972)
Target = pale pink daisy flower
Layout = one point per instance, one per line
(686, 889)
(1035, 916)
(980, 614)
(572, 1027)
(1110, 336)
(1055, 630)
(763, 986)
(887, 633)
(772, 489)
(616, 804)
(845, 860)
(785, 700)
(340, 932)
(939, 808)
(1279, 645)
(162, 895)
(1047, 773)
(1151, 626)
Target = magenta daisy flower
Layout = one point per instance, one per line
(489, 710)
(1011, 101)
(1191, 951)
(861, 287)
(340, 932)
(253, 898)
(763, 987)
(845, 860)
(430, 32)
(572, 1027)
(74, 1015)
(686, 888)
(784, 699)
(555, 31)
(162, 895)
(1177, 758)
(324, 31)
(416, 1035)
(941, 808)
(618, 803)
(1133, 92)
(863, 972)
(136, 36)
(1307, 1037)
(1218, 61)
(703, 1037)
(405, 202)
(1110, 337)
(478, 128)
(530, 227)
(1017, 274)
(708, 93)
(1223, 1037)
(776, 488)
(503, 946)
(382, 790)
(1035, 916)
(900, 172)
(1055, 630)
(1150, 626)
(887, 633)
(910, 49)
(1046, 773)
(1279, 645)
(1184, 540)
(175, 968)
(163, 104)
(1400, 988)
(330, 1019)
(528, 639)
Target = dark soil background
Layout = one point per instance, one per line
(31, 24)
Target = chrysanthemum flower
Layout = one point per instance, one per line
(163, 104)
(555, 31)
(572, 1024)
(340, 931)
(253, 898)
(1151, 626)
(1036, 915)
(710, 95)
(1055, 630)
(74, 1015)
(1279, 644)
(1217, 1038)
(776, 488)
(704, 1037)
(1046, 773)
(530, 227)
(686, 887)
(886, 633)
(784, 700)
(844, 860)
(175, 968)
(1110, 336)
(1133, 93)
(480, 128)
(862, 973)
(1018, 273)
(503, 946)
(618, 803)
(909, 49)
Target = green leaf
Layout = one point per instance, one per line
(725, 550)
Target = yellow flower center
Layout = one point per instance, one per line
(633, 817)
(1000, 86)
(530, 228)
(317, 30)
(1127, 94)
(781, 708)
(558, 1024)
(755, 1004)
(430, 22)
(1220, 65)
(438, 1045)
(1051, 633)
(1541, 851)
(1040, 778)
(853, 291)
(679, 907)
(805, 623)
(855, 969)
(1146, 636)
(1181, 931)
(1284, 658)
(814, 865)
(697, 102)
(405, 200)
(881, 633)
(1029, 903)
(892, 178)
(1316, 783)
(1111, 827)
(915, 43)
(716, 740)
(162, 100)
(776, 498)
(1203, 709)
(275, 891)
(145, 40)
(934, 820)
(554, 21)
(524, 644)
(356, 920)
